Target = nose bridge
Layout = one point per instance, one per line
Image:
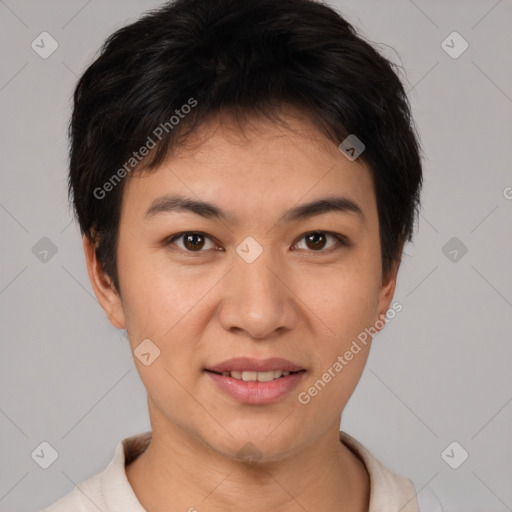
(258, 302)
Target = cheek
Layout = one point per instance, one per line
(347, 306)
(162, 310)
(340, 355)
(156, 297)
(345, 302)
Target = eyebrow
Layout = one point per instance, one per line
(177, 203)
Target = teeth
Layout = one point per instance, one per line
(265, 376)
(249, 376)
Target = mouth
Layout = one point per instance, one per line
(249, 366)
(251, 376)
(253, 381)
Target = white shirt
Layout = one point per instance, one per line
(110, 490)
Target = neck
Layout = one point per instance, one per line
(178, 472)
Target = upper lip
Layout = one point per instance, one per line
(255, 365)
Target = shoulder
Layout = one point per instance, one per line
(388, 490)
(85, 497)
(108, 491)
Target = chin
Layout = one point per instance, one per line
(254, 447)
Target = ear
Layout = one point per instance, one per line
(103, 286)
(387, 290)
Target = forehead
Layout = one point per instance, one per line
(259, 166)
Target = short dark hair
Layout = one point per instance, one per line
(251, 57)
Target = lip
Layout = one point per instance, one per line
(256, 393)
(255, 365)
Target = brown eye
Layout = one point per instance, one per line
(316, 241)
(191, 241)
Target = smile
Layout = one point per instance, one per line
(256, 388)
(251, 376)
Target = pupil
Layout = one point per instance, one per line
(315, 237)
(189, 241)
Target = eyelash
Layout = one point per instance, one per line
(342, 240)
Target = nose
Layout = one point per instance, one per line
(258, 299)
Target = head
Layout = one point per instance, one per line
(198, 136)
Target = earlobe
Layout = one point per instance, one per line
(103, 286)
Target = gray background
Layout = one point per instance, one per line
(438, 373)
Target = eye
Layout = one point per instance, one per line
(316, 241)
(192, 241)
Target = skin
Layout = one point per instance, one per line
(299, 301)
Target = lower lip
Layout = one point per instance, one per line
(257, 392)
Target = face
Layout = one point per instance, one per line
(252, 275)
